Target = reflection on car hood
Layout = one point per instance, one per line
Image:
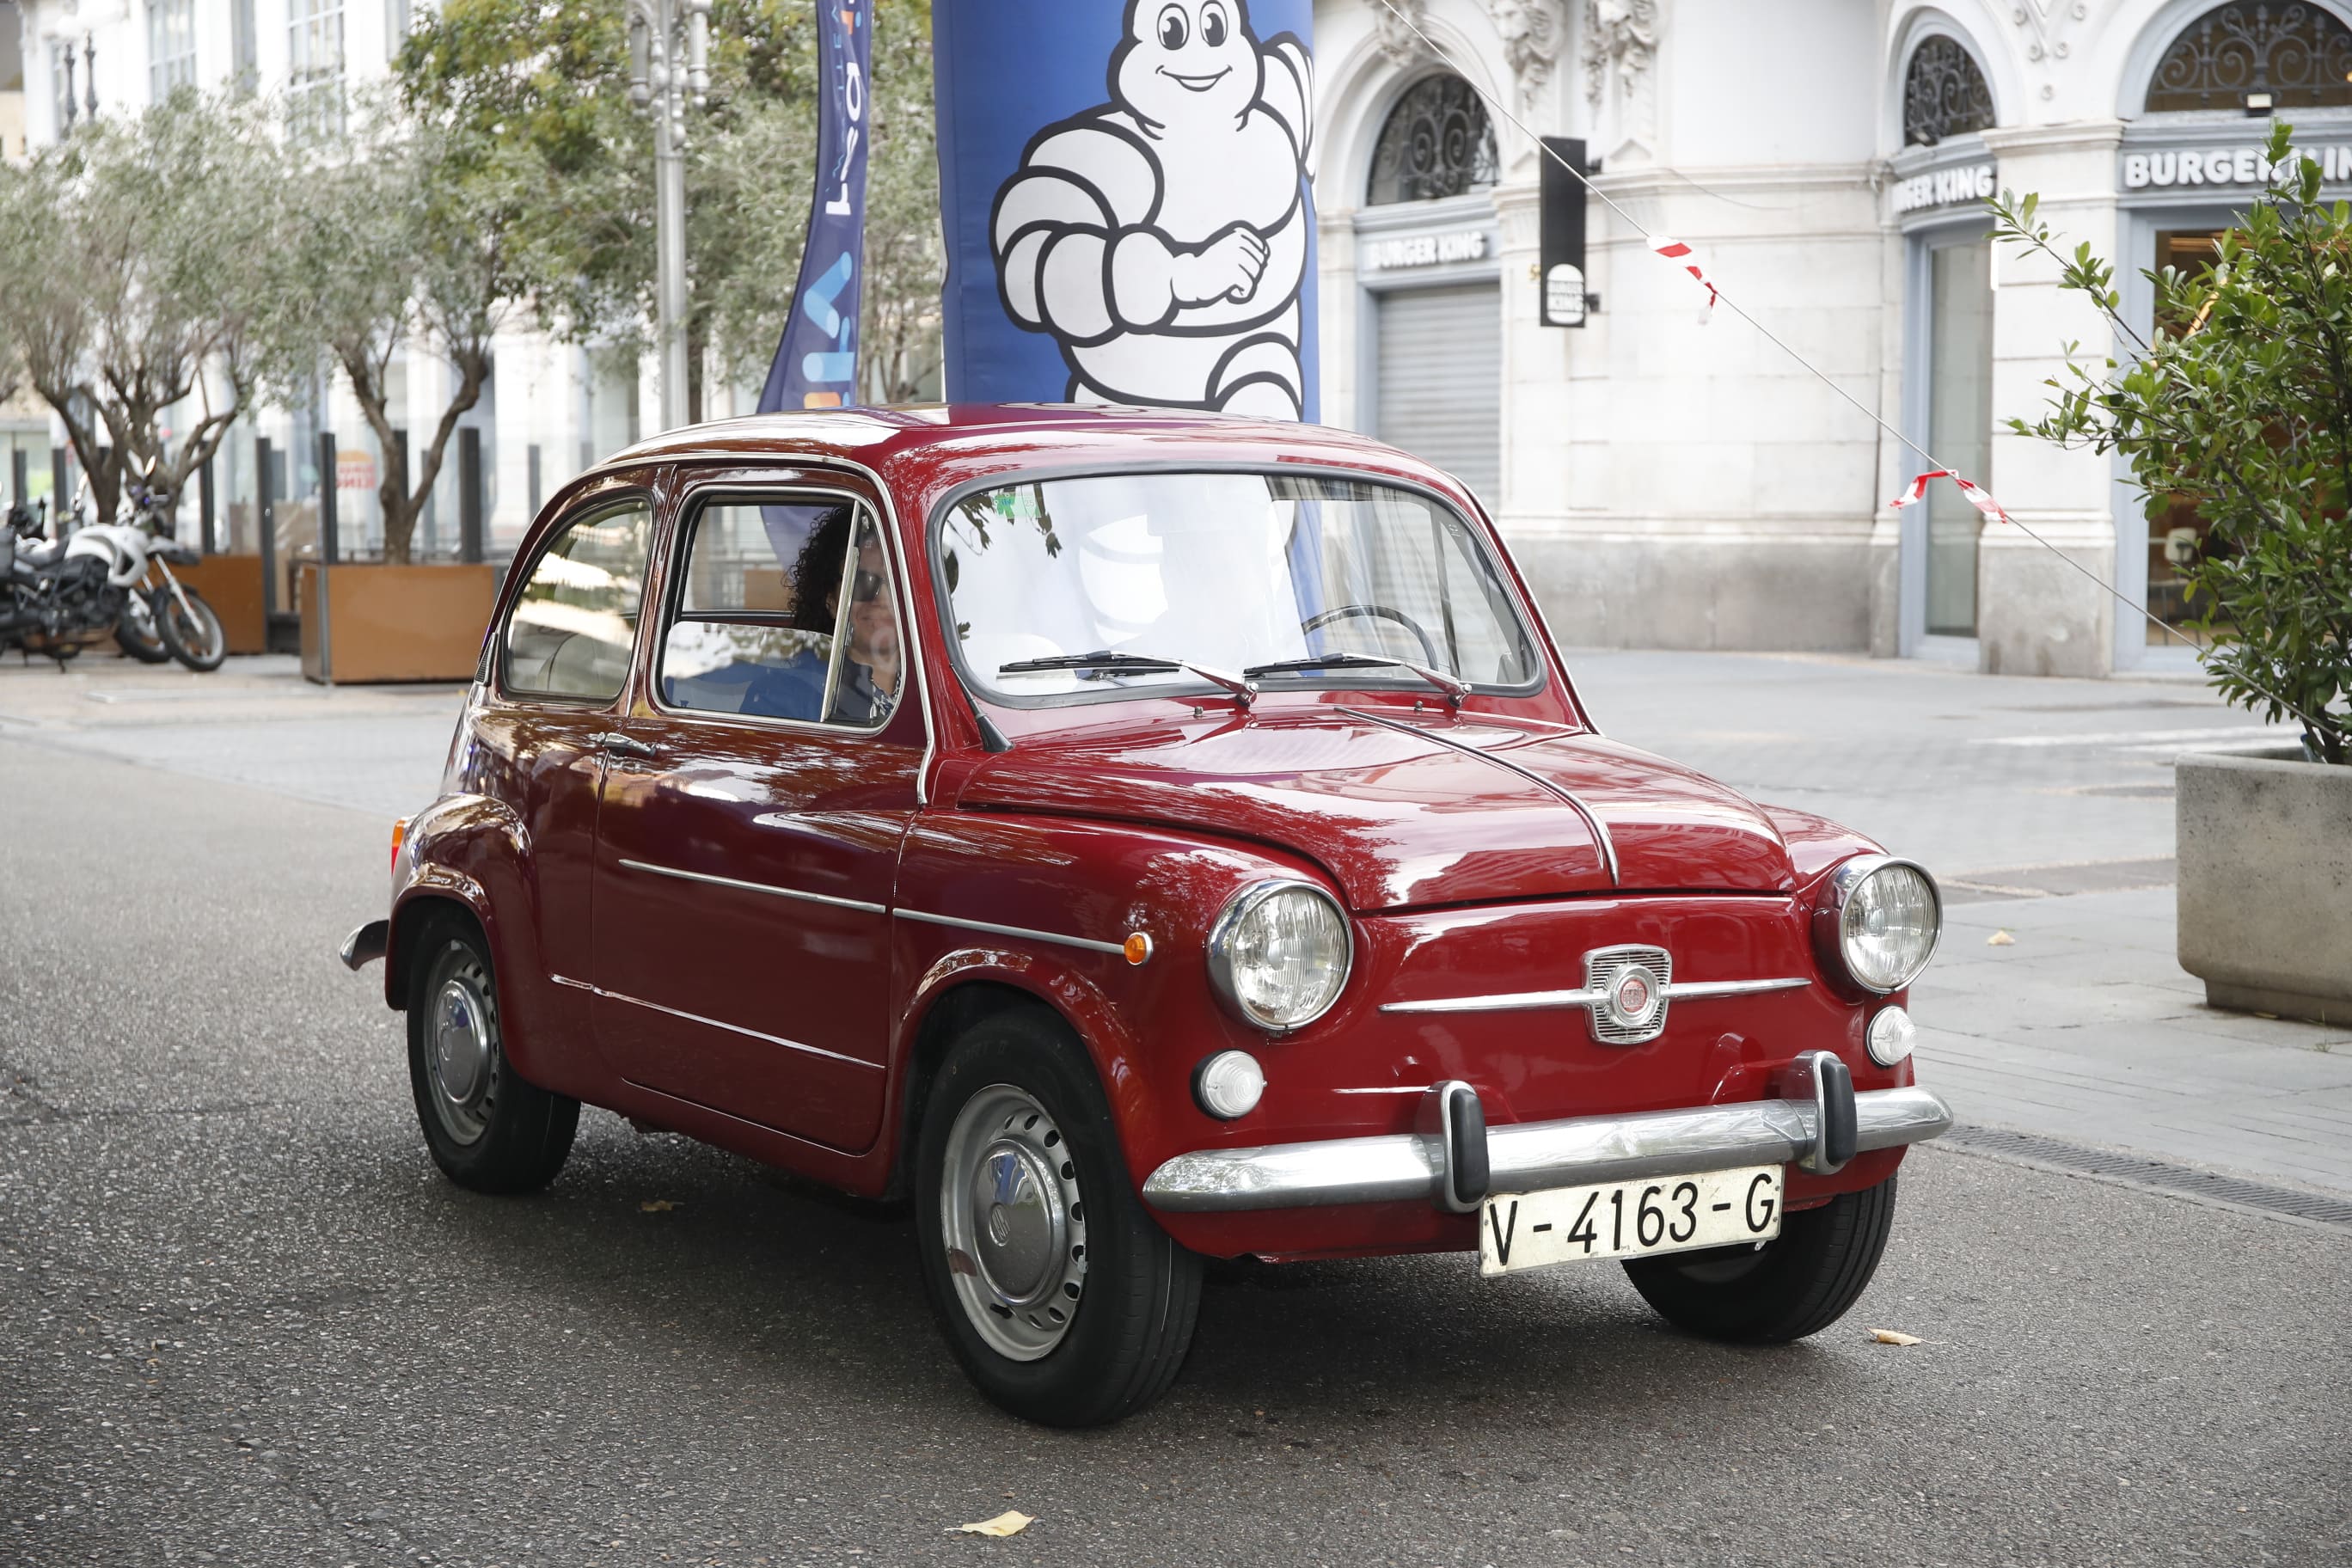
(1402, 819)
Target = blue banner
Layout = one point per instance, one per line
(1128, 201)
(816, 360)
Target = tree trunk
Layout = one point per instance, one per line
(391, 495)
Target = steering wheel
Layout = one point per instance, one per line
(1378, 612)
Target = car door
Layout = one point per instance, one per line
(748, 835)
(557, 671)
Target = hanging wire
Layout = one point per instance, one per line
(1717, 295)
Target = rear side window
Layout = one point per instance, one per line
(574, 622)
(785, 610)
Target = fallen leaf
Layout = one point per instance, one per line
(656, 1205)
(1889, 1337)
(2000, 938)
(1012, 1521)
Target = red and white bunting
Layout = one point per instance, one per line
(1675, 251)
(1979, 497)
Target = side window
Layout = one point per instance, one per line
(576, 620)
(785, 610)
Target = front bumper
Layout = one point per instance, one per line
(1529, 1156)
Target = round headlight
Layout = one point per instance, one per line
(1878, 921)
(1278, 954)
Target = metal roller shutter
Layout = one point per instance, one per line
(1441, 373)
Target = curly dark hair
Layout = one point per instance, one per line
(818, 568)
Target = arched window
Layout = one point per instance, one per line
(1437, 142)
(1944, 94)
(2300, 55)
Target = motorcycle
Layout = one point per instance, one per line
(107, 580)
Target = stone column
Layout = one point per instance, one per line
(2035, 614)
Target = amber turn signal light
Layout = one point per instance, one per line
(399, 837)
(1138, 946)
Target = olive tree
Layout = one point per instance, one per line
(134, 300)
(2244, 409)
(398, 251)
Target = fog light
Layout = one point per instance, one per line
(1892, 1036)
(1229, 1084)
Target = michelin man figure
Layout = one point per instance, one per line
(1161, 237)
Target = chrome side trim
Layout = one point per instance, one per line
(859, 904)
(1089, 943)
(1530, 1156)
(1679, 990)
(718, 1023)
(1549, 787)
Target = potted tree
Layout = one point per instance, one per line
(398, 249)
(2242, 409)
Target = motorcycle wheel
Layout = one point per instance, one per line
(193, 635)
(138, 636)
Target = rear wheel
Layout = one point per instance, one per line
(1797, 1284)
(486, 1127)
(1062, 1297)
(193, 632)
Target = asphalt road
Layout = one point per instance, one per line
(243, 1321)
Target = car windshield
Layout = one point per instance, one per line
(1115, 583)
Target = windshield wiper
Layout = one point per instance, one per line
(1242, 689)
(1455, 689)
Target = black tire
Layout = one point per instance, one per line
(487, 1129)
(1133, 1294)
(1797, 1284)
(136, 633)
(193, 635)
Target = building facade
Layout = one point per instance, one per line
(1668, 475)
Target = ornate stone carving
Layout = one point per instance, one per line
(1531, 30)
(1398, 40)
(1620, 36)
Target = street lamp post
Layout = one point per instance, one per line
(669, 64)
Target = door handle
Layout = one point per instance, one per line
(617, 745)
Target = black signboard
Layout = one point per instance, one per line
(1560, 288)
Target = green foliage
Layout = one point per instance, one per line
(129, 254)
(543, 89)
(2245, 411)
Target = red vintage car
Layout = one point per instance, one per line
(1136, 838)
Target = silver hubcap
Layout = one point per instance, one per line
(461, 1054)
(1013, 1222)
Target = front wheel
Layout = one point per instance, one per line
(486, 1127)
(192, 631)
(1062, 1297)
(137, 634)
(1797, 1284)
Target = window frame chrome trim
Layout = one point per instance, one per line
(615, 497)
(861, 905)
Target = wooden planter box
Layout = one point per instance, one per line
(2265, 846)
(232, 586)
(393, 623)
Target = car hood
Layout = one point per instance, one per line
(1400, 817)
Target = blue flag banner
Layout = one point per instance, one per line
(1128, 201)
(816, 360)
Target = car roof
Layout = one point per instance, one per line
(922, 451)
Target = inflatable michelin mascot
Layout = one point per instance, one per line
(1161, 238)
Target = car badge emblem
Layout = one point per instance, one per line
(1629, 988)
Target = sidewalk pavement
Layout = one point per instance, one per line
(2045, 808)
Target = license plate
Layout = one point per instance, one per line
(1628, 1219)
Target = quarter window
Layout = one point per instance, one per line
(576, 618)
(785, 610)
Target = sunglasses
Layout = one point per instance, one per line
(867, 586)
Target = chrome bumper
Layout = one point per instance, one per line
(365, 945)
(1528, 1156)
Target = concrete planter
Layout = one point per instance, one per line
(2265, 848)
(364, 623)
